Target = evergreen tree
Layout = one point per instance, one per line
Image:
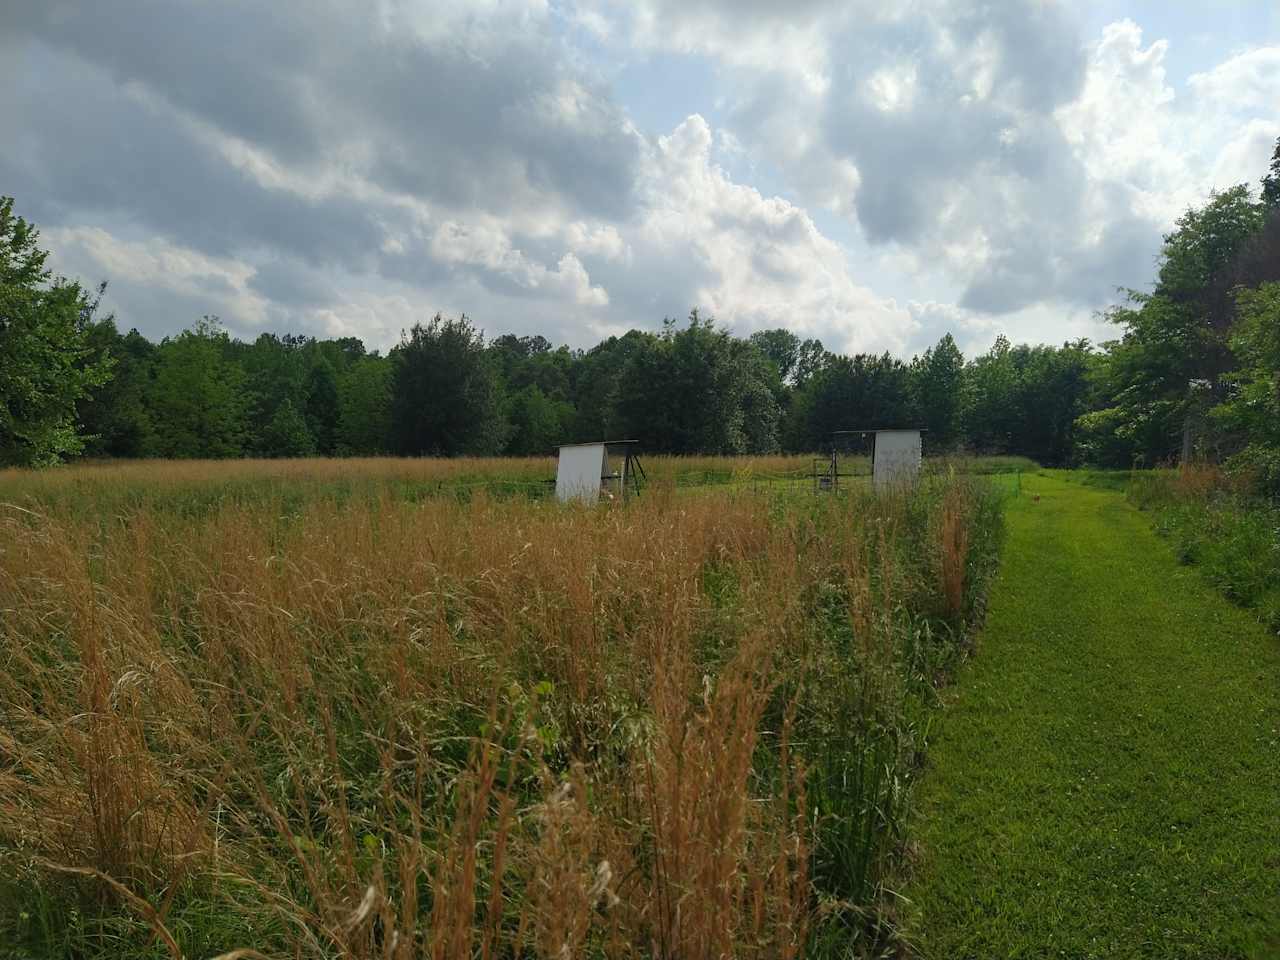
(936, 382)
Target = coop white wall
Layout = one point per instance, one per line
(578, 473)
(897, 457)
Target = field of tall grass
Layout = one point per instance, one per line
(304, 709)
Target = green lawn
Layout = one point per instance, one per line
(1106, 776)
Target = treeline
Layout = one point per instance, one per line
(1194, 371)
(445, 390)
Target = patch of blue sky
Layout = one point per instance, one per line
(1200, 34)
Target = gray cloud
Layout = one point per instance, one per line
(329, 83)
(948, 119)
(287, 280)
(937, 133)
(92, 149)
(305, 140)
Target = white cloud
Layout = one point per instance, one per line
(1245, 152)
(221, 282)
(1246, 82)
(1123, 128)
(893, 88)
(600, 240)
(764, 261)
(754, 35)
(486, 245)
(1017, 162)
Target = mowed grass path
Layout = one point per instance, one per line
(1106, 778)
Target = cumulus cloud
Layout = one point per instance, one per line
(153, 272)
(762, 261)
(347, 168)
(934, 132)
(1023, 162)
(489, 247)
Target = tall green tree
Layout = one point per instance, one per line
(1026, 399)
(1198, 269)
(990, 396)
(1251, 409)
(538, 423)
(1053, 389)
(515, 358)
(275, 369)
(1271, 182)
(322, 408)
(47, 363)
(446, 397)
(116, 416)
(690, 390)
(796, 360)
(1175, 349)
(937, 379)
(199, 401)
(538, 386)
(760, 397)
(287, 435)
(781, 347)
(364, 408)
(597, 386)
(864, 391)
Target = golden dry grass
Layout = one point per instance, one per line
(379, 471)
(313, 724)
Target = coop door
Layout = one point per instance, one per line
(579, 472)
(897, 457)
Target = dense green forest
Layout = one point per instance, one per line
(1193, 371)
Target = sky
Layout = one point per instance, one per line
(871, 174)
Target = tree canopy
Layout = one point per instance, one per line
(47, 359)
(444, 391)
